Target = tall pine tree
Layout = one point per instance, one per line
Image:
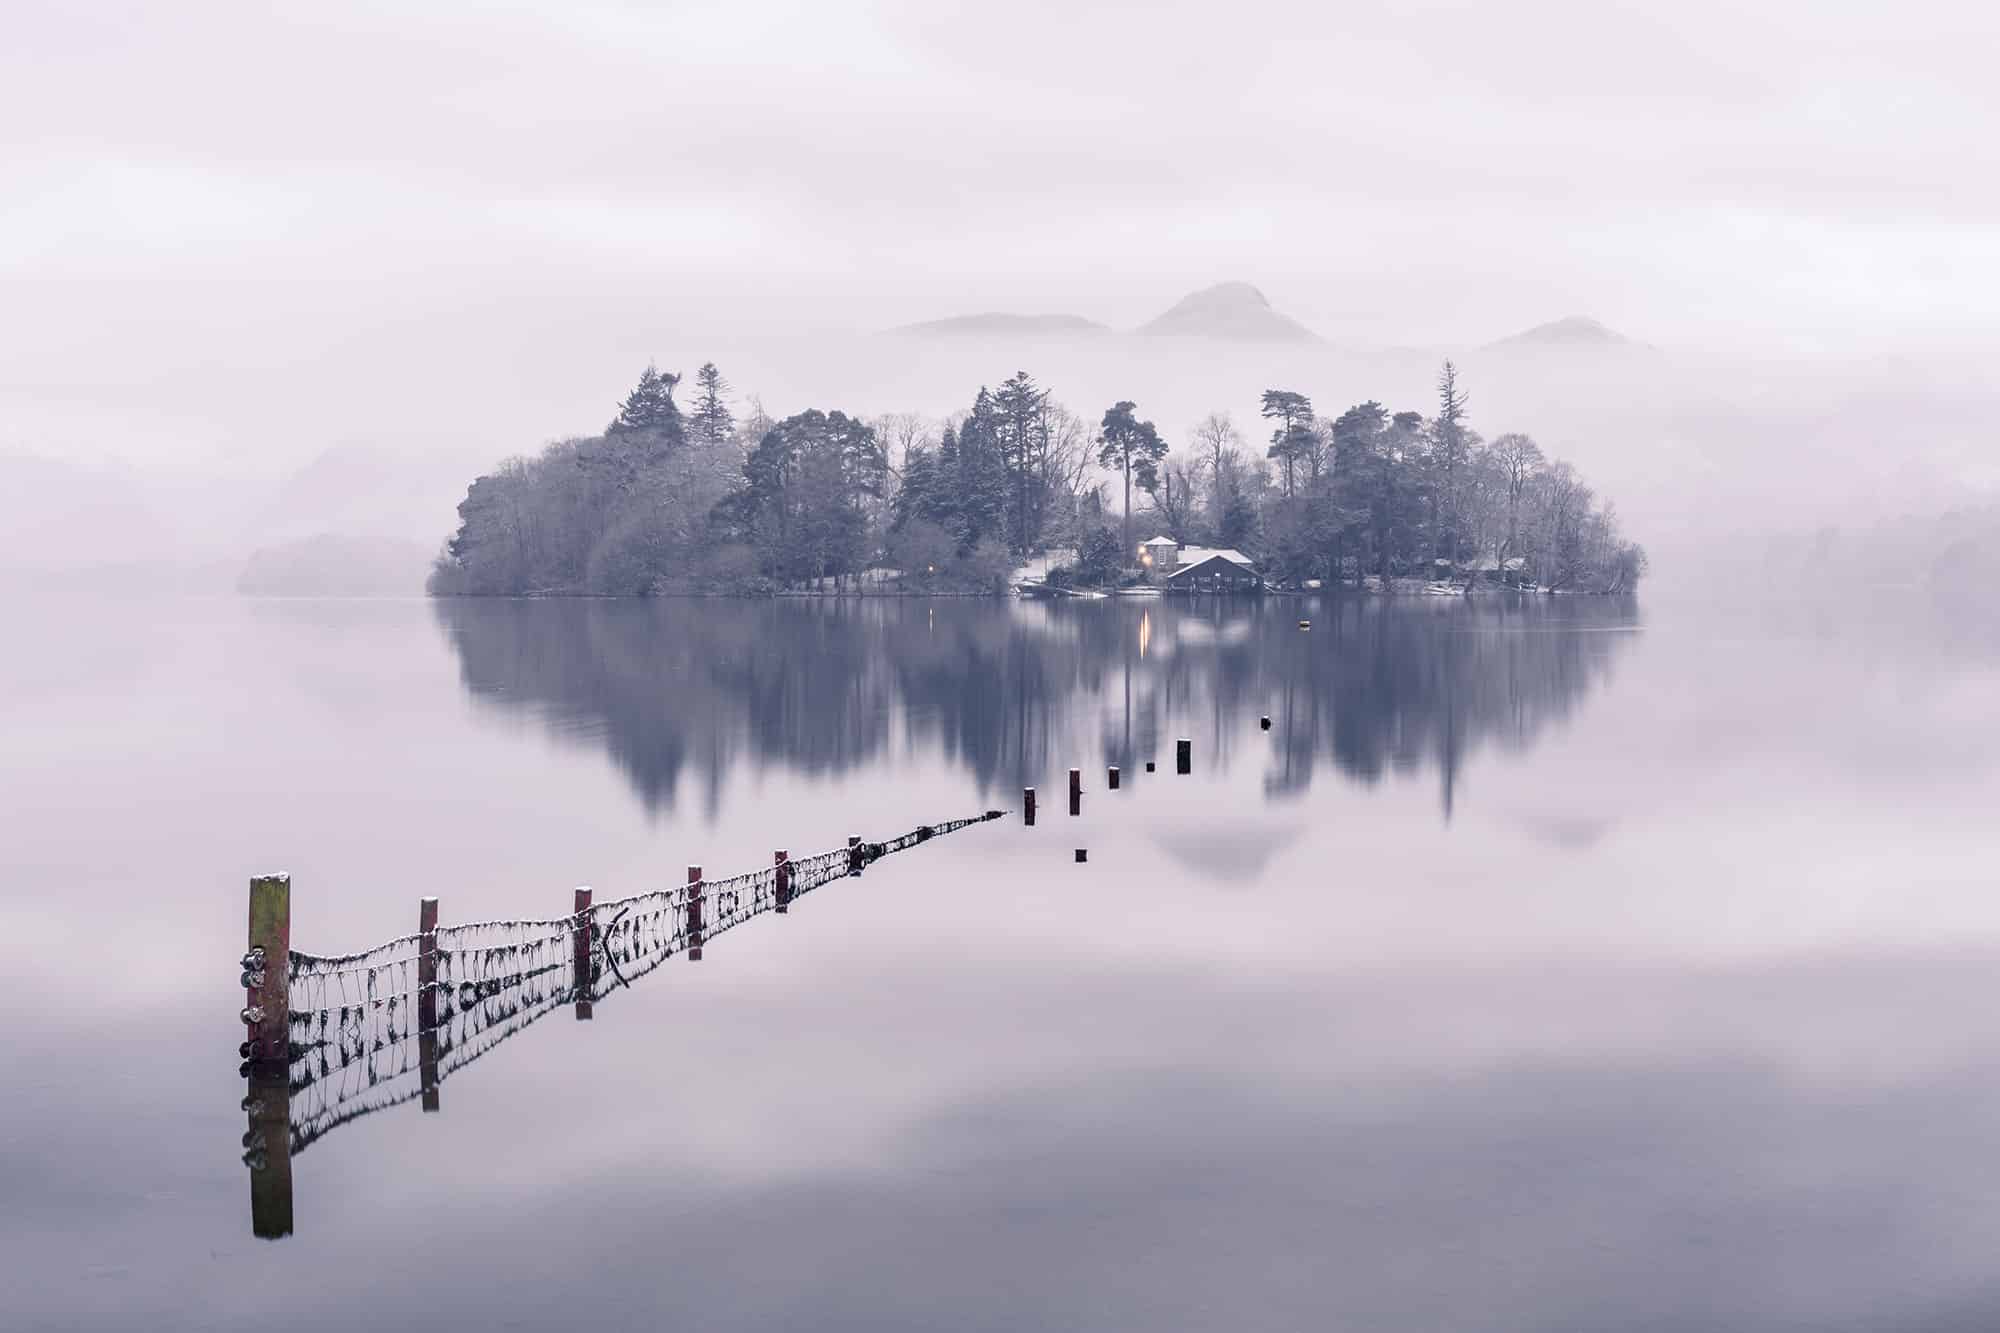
(713, 423)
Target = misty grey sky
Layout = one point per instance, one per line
(193, 184)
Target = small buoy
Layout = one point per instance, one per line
(1082, 855)
(1264, 722)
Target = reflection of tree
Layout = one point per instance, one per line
(1017, 693)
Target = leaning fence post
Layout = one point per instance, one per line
(1183, 755)
(579, 940)
(783, 863)
(1076, 791)
(427, 975)
(694, 914)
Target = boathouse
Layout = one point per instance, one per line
(1201, 570)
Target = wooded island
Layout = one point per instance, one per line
(713, 500)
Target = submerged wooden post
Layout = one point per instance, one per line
(1076, 791)
(783, 862)
(1111, 778)
(266, 1011)
(268, 1149)
(854, 853)
(1183, 755)
(427, 1021)
(1027, 805)
(579, 941)
(1264, 723)
(1149, 765)
(694, 914)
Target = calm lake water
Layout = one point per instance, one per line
(1552, 966)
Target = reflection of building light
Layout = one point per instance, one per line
(1145, 557)
(1145, 631)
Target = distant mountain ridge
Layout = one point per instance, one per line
(1228, 311)
(999, 322)
(1569, 331)
(1234, 311)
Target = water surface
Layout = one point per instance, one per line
(1551, 965)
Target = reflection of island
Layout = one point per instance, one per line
(1021, 691)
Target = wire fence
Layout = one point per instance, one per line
(371, 1030)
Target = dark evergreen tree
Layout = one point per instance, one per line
(650, 409)
(1134, 448)
(1021, 436)
(1289, 442)
(713, 422)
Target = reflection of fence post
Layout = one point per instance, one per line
(694, 914)
(579, 951)
(1183, 755)
(269, 1150)
(427, 1013)
(1027, 805)
(267, 1004)
(1076, 791)
(783, 862)
(854, 853)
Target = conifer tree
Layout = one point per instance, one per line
(713, 422)
(650, 408)
(1131, 446)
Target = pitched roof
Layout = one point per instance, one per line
(1194, 555)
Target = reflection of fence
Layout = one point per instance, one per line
(335, 1038)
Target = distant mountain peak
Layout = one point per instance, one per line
(1569, 331)
(993, 322)
(1232, 310)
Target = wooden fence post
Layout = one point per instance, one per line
(427, 1020)
(783, 862)
(267, 1016)
(579, 942)
(267, 1003)
(1076, 791)
(1111, 777)
(694, 914)
(1183, 755)
(854, 853)
(1028, 806)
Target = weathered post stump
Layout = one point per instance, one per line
(783, 862)
(1183, 755)
(579, 950)
(694, 914)
(427, 1021)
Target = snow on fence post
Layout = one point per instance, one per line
(694, 914)
(579, 950)
(427, 975)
